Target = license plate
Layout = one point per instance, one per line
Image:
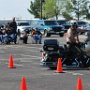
(57, 32)
(62, 32)
(50, 48)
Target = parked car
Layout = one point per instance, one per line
(37, 24)
(87, 48)
(22, 26)
(82, 26)
(64, 23)
(48, 27)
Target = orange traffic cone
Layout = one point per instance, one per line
(59, 66)
(79, 84)
(11, 63)
(23, 84)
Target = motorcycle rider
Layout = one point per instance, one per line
(72, 39)
(72, 34)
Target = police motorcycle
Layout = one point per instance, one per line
(76, 56)
(52, 51)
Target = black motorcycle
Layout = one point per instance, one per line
(76, 56)
(52, 51)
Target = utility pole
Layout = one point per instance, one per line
(57, 9)
(78, 10)
(41, 2)
(41, 8)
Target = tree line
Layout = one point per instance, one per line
(69, 9)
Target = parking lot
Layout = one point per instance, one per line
(26, 59)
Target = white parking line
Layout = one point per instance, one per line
(28, 46)
(18, 46)
(30, 55)
(73, 73)
(25, 61)
(16, 64)
(32, 47)
(20, 59)
(33, 50)
(77, 74)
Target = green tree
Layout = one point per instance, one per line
(77, 8)
(85, 9)
(35, 8)
(67, 16)
(65, 8)
(49, 8)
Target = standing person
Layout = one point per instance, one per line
(13, 27)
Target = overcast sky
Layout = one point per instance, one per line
(14, 8)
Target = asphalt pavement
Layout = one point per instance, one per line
(26, 59)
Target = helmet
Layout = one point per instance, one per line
(74, 25)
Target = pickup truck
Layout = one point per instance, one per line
(48, 27)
